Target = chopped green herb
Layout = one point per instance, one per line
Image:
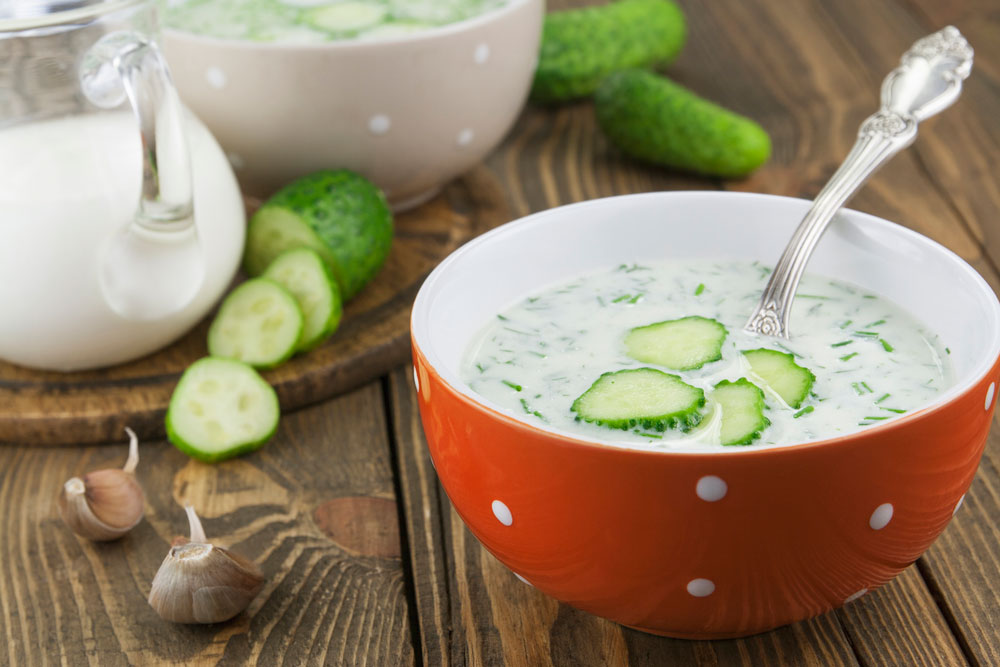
(539, 415)
(848, 357)
(501, 317)
(886, 345)
(524, 404)
(813, 296)
(875, 323)
(884, 396)
(636, 297)
(523, 333)
(623, 297)
(480, 367)
(842, 343)
(804, 411)
(699, 289)
(870, 296)
(846, 324)
(865, 385)
(947, 350)
(515, 387)
(876, 418)
(787, 349)
(866, 334)
(896, 410)
(859, 388)
(538, 354)
(654, 436)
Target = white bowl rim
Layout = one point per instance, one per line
(430, 33)
(419, 318)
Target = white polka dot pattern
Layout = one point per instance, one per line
(711, 488)
(502, 513)
(701, 588)
(881, 516)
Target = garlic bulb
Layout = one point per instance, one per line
(104, 504)
(199, 582)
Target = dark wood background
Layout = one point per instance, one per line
(366, 561)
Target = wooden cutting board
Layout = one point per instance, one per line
(94, 406)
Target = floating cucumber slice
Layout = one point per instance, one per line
(781, 374)
(303, 273)
(259, 323)
(346, 16)
(221, 408)
(681, 345)
(642, 397)
(742, 405)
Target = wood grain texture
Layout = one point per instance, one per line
(94, 406)
(66, 600)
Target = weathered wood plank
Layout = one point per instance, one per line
(315, 509)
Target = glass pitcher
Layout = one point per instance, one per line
(121, 222)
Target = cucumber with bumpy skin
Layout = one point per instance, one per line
(303, 273)
(781, 374)
(658, 121)
(221, 408)
(339, 214)
(742, 405)
(582, 46)
(684, 344)
(259, 323)
(642, 397)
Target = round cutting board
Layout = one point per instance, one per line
(39, 407)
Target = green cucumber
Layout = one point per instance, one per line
(221, 408)
(742, 405)
(643, 397)
(346, 16)
(302, 272)
(259, 323)
(781, 374)
(339, 214)
(582, 46)
(681, 345)
(656, 120)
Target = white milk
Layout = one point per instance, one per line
(66, 186)
(873, 361)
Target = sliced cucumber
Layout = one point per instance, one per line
(681, 345)
(346, 16)
(781, 374)
(221, 408)
(304, 273)
(337, 213)
(742, 405)
(643, 397)
(259, 323)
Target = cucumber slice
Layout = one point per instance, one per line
(259, 323)
(742, 405)
(781, 374)
(642, 397)
(347, 16)
(221, 408)
(681, 345)
(303, 273)
(339, 214)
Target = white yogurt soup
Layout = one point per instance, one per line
(873, 361)
(317, 21)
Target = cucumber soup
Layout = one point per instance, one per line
(317, 21)
(557, 358)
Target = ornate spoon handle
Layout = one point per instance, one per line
(928, 80)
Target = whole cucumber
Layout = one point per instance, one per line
(656, 120)
(582, 46)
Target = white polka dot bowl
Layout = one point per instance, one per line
(409, 112)
(727, 541)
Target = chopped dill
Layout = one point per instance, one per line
(699, 289)
(883, 397)
(804, 411)
(886, 345)
(515, 387)
(842, 343)
(848, 357)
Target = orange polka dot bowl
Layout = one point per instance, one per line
(728, 541)
(410, 112)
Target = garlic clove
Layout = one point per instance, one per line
(104, 504)
(199, 582)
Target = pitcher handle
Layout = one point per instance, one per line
(153, 267)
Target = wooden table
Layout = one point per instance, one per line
(366, 561)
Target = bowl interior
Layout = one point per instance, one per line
(503, 266)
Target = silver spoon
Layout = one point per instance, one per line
(928, 80)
